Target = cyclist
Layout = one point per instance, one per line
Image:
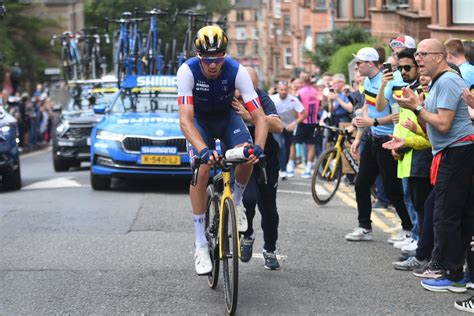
(206, 85)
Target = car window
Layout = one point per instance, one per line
(143, 102)
(86, 97)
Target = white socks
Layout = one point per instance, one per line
(309, 166)
(199, 229)
(238, 192)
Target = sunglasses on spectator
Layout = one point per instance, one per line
(424, 54)
(211, 60)
(396, 44)
(284, 83)
(407, 68)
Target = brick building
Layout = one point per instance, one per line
(272, 35)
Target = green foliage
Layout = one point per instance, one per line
(21, 41)
(343, 56)
(336, 39)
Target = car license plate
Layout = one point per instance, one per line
(160, 160)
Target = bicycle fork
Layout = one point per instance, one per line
(227, 193)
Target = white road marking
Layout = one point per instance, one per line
(36, 153)
(294, 192)
(54, 183)
(260, 256)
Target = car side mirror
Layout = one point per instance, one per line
(56, 108)
(99, 109)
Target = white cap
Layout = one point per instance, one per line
(367, 54)
(403, 41)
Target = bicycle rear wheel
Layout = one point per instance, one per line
(230, 254)
(323, 184)
(212, 234)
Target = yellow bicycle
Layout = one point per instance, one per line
(222, 230)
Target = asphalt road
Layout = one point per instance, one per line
(66, 249)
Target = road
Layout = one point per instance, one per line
(66, 249)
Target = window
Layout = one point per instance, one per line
(241, 49)
(255, 15)
(240, 33)
(287, 58)
(286, 25)
(308, 38)
(320, 36)
(306, 3)
(277, 8)
(255, 48)
(341, 8)
(320, 4)
(462, 12)
(255, 33)
(359, 9)
(240, 16)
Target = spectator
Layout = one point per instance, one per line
(451, 133)
(341, 100)
(374, 159)
(292, 113)
(305, 131)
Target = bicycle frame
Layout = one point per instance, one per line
(135, 49)
(341, 149)
(226, 169)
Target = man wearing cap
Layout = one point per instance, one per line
(291, 113)
(374, 158)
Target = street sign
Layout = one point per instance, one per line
(52, 71)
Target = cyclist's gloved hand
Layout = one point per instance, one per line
(257, 151)
(205, 154)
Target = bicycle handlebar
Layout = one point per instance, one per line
(152, 12)
(197, 162)
(122, 21)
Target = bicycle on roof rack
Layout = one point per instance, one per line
(93, 63)
(128, 52)
(155, 60)
(188, 44)
(70, 56)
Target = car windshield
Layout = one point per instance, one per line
(145, 101)
(85, 99)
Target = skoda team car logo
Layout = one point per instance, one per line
(159, 132)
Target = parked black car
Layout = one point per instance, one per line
(9, 154)
(72, 129)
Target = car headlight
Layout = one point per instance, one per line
(5, 129)
(61, 128)
(101, 134)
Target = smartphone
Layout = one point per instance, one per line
(387, 67)
(331, 90)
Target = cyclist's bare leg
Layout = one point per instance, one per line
(198, 193)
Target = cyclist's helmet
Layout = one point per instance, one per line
(211, 39)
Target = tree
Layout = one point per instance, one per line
(21, 41)
(336, 39)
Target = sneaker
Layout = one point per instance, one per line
(283, 175)
(432, 270)
(378, 204)
(466, 305)
(402, 235)
(444, 285)
(403, 243)
(290, 174)
(409, 264)
(202, 260)
(271, 261)
(246, 247)
(411, 246)
(306, 175)
(360, 234)
(404, 255)
(241, 219)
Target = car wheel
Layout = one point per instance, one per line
(12, 181)
(100, 183)
(60, 165)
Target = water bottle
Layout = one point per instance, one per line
(238, 153)
(359, 113)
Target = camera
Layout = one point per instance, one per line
(331, 90)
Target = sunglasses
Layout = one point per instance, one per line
(396, 44)
(211, 60)
(283, 83)
(407, 68)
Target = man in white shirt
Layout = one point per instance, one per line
(291, 113)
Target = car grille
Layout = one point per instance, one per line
(136, 143)
(77, 132)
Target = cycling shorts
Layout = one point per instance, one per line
(230, 130)
(305, 134)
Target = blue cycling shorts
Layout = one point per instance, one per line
(230, 130)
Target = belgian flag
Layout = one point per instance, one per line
(370, 97)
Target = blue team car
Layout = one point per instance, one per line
(139, 135)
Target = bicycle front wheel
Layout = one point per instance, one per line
(230, 254)
(212, 234)
(326, 177)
